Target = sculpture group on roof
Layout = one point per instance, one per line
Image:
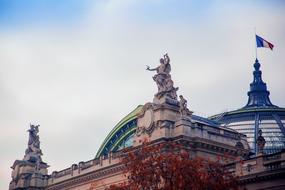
(33, 152)
(163, 79)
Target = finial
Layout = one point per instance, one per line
(256, 65)
(258, 95)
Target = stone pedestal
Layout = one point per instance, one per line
(31, 172)
(159, 119)
(184, 121)
(28, 175)
(165, 100)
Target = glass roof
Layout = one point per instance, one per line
(258, 113)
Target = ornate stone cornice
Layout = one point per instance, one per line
(86, 178)
(263, 176)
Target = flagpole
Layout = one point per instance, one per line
(255, 43)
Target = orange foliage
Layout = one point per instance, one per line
(169, 166)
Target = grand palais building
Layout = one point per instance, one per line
(255, 134)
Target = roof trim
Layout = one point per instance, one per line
(130, 132)
(122, 122)
(247, 110)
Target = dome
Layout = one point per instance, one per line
(258, 113)
(122, 134)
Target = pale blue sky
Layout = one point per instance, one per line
(77, 67)
(41, 12)
(19, 12)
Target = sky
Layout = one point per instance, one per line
(77, 67)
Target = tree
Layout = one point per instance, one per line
(169, 166)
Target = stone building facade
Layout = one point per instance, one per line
(264, 171)
(167, 118)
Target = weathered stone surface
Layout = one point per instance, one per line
(164, 119)
(163, 80)
(31, 172)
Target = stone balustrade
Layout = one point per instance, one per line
(261, 164)
(217, 134)
(84, 167)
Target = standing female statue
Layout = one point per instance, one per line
(163, 78)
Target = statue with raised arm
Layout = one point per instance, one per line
(163, 78)
(33, 151)
(30, 172)
(164, 67)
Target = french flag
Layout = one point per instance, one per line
(260, 42)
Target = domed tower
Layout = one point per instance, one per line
(258, 114)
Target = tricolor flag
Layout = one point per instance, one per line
(260, 42)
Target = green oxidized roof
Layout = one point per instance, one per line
(127, 127)
(112, 135)
(248, 110)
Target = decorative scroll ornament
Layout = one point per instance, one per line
(147, 120)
